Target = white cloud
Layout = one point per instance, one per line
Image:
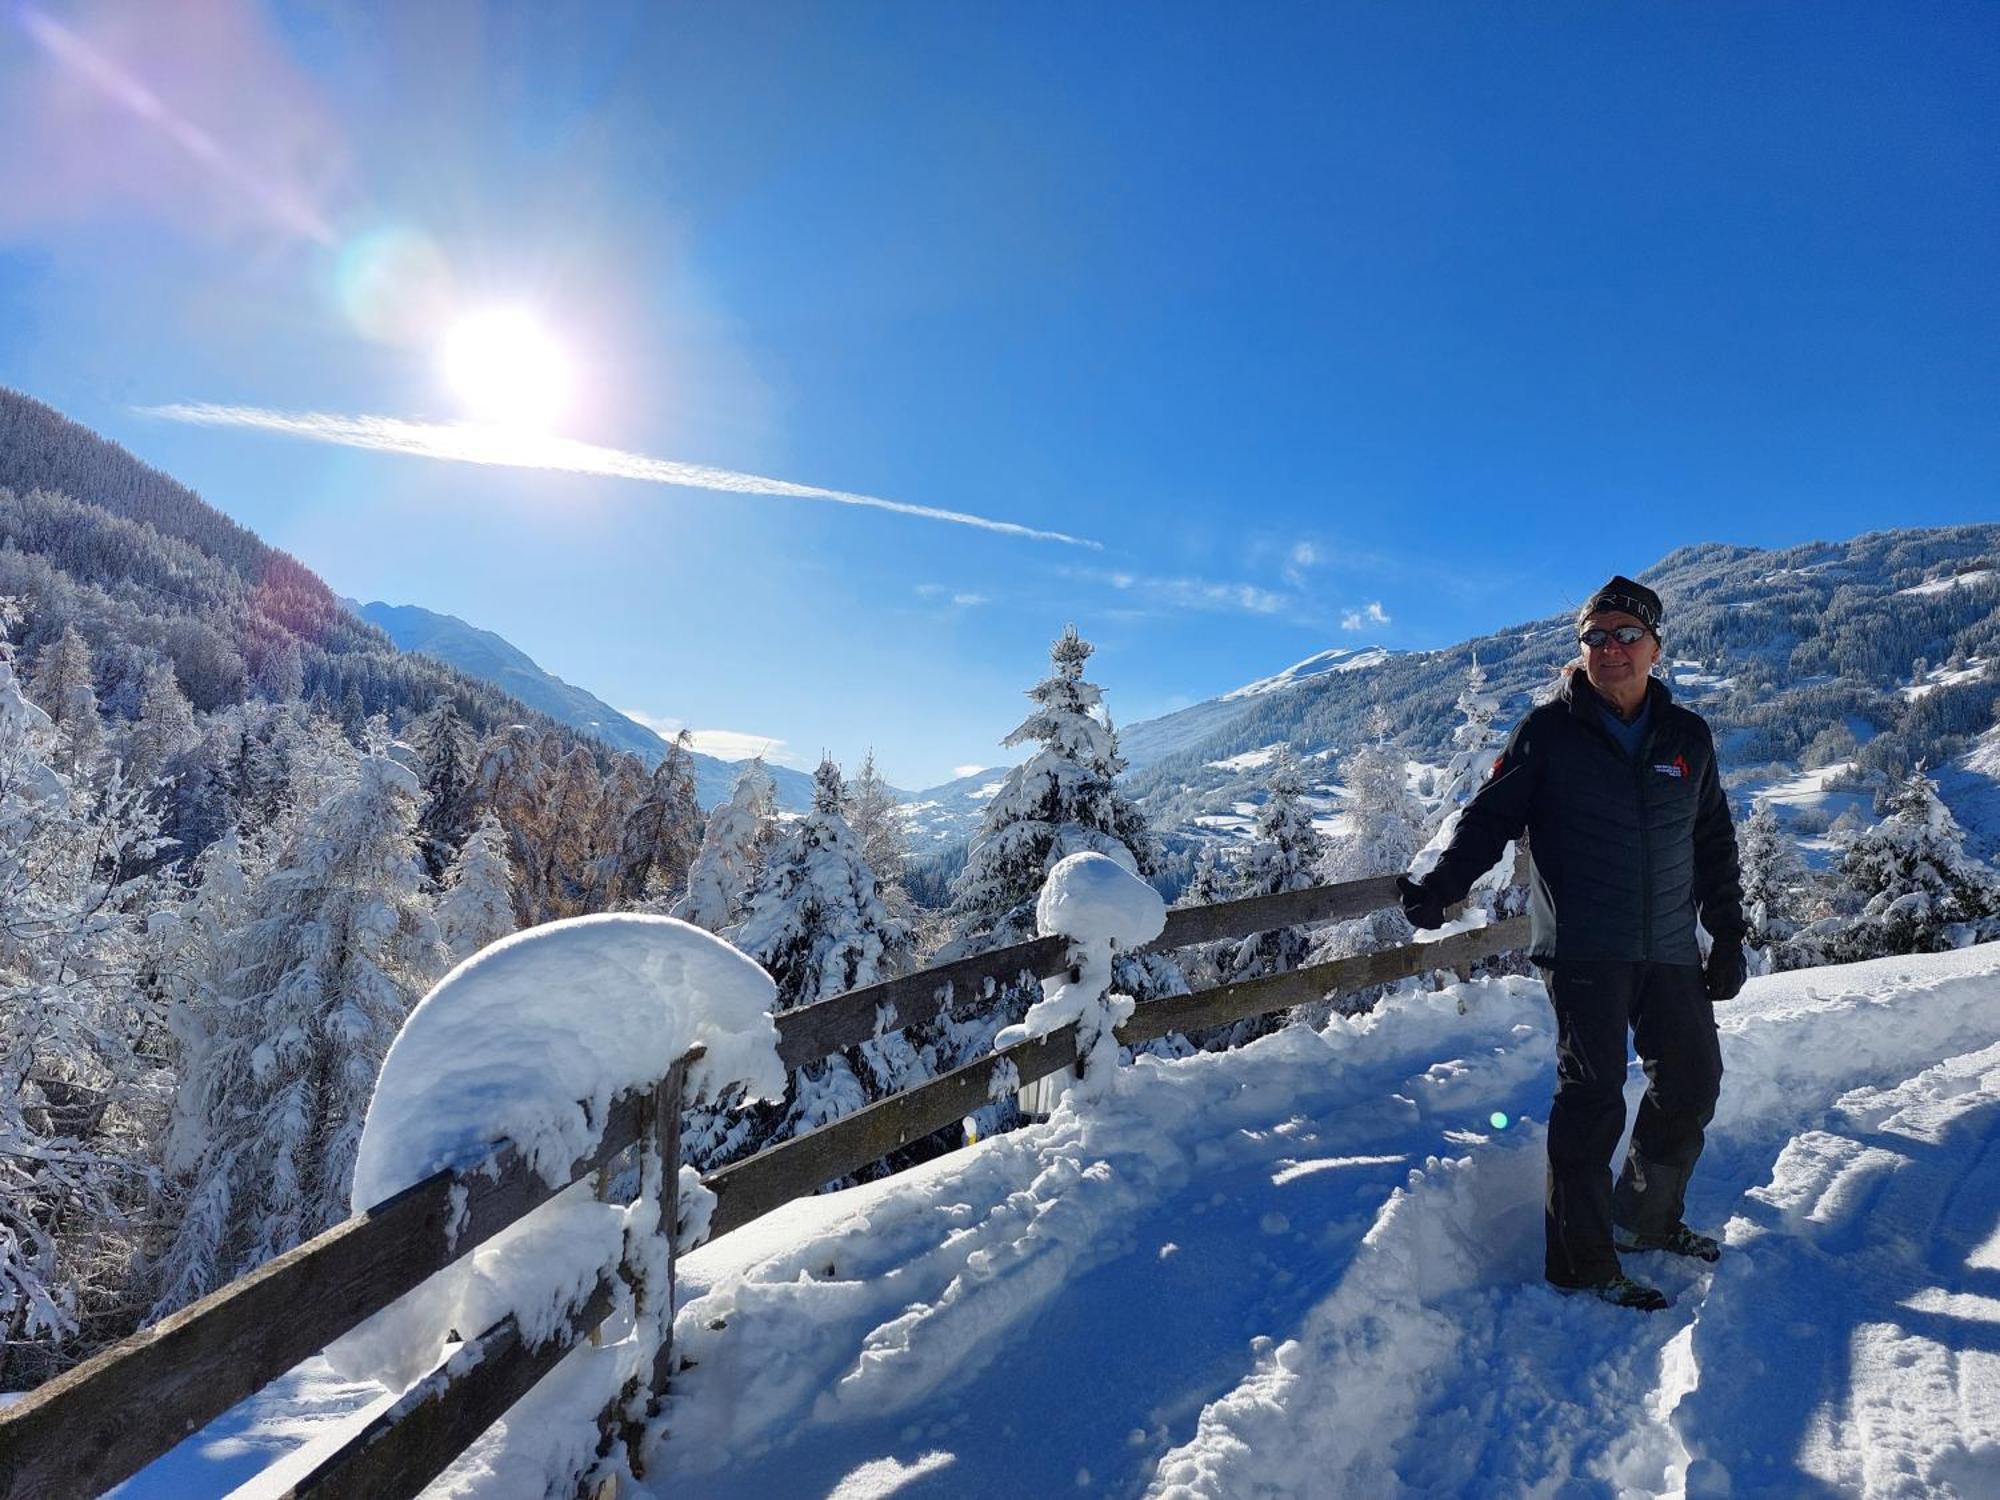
(508, 448)
(968, 600)
(723, 744)
(972, 770)
(1367, 615)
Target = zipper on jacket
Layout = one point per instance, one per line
(1639, 764)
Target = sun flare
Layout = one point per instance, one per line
(507, 369)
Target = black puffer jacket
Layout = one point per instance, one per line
(1627, 852)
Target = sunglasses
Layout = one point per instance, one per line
(1624, 635)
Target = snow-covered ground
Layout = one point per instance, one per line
(1311, 1267)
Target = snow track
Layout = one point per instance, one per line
(1311, 1268)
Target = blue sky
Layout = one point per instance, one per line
(1295, 310)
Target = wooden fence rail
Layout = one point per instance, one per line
(110, 1416)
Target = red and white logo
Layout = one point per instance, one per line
(1677, 768)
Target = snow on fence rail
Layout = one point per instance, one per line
(107, 1418)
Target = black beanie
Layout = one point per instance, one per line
(1623, 593)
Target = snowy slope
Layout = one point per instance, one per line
(1151, 740)
(492, 658)
(1310, 1267)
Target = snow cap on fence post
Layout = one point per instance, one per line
(1101, 907)
(529, 1041)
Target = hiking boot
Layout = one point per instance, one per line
(1680, 1240)
(1620, 1291)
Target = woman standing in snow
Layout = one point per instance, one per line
(1616, 787)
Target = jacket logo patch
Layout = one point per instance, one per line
(1677, 768)
(1494, 769)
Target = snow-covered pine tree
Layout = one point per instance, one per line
(1062, 800)
(62, 684)
(731, 856)
(477, 903)
(1286, 857)
(1920, 892)
(448, 757)
(817, 923)
(338, 945)
(1214, 879)
(1776, 885)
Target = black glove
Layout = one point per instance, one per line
(1726, 971)
(1419, 905)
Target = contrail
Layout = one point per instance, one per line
(504, 448)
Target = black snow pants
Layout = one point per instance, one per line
(1673, 1028)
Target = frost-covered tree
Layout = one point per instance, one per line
(1061, 800)
(1917, 888)
(338, 944)
(1286, 857)
(1776, 885)
(477, 904)
(1382, 838)
(513, 783)
(877, 820)
(732, 851)
(562, 881)
(657, 833)
(63, 686)
(164, 727)
(75, 1126)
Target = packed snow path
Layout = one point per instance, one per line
(1311, 1267)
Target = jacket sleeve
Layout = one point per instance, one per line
(1718, 877)
(1497, 815)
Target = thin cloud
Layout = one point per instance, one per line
(959, 597)
(1206, 594)
(962, 771)
(504, 448)
(723, 744)
(1303, 555)
(1368, 615)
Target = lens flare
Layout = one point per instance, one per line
(1497, 1120)
(394, 285)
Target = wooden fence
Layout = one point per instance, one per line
(110, 1416)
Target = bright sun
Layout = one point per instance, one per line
(507, 369)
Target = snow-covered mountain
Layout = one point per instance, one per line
(1153, 740)
(1801, 658)
(491, 658)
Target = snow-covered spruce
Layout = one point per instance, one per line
(1099, 906)
(1062, 800)
(733, 846)
(817, 923)
(531, 1042)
